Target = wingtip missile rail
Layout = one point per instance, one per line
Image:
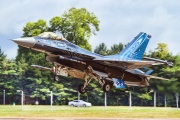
(158, 60)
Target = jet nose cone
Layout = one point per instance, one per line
(25, 42)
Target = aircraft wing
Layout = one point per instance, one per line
(127, 64)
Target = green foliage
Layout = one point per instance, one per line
(168, 87)
(116, 48)
(2, 56)
(76, 25)
(66, 112)
(101, 49)
(145, 96)
(35, 28)
(36, 84)
(27, 57)
(161, 51)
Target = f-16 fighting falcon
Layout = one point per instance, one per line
(112, 70)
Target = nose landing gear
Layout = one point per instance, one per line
(56, 78)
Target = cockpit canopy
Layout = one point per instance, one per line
(50, 35)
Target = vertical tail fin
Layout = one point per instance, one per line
(137, 47)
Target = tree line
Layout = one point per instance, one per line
(77, 26)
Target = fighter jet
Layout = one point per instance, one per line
(112, 70)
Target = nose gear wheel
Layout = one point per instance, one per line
(56, 78)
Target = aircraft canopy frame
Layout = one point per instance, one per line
(50, 35)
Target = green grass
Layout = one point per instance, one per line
(95, 111)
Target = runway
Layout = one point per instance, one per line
(64, 118)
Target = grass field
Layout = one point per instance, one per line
(95, 111)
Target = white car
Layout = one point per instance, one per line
(79, 103)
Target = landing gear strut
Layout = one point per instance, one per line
(56, 70)
(81, 89)
(105, 83)
(88, 77)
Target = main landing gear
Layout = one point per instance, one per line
(106, 84)
(106, 87)
(82, 87)
(89, 75)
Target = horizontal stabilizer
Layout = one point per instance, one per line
(41, 67)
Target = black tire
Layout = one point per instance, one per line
(56, 78)
(106, 87)
(84, 105)
(81, 90)
(72, 105)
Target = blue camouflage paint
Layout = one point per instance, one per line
(118, 83)
(66, 45)
(136, 49)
